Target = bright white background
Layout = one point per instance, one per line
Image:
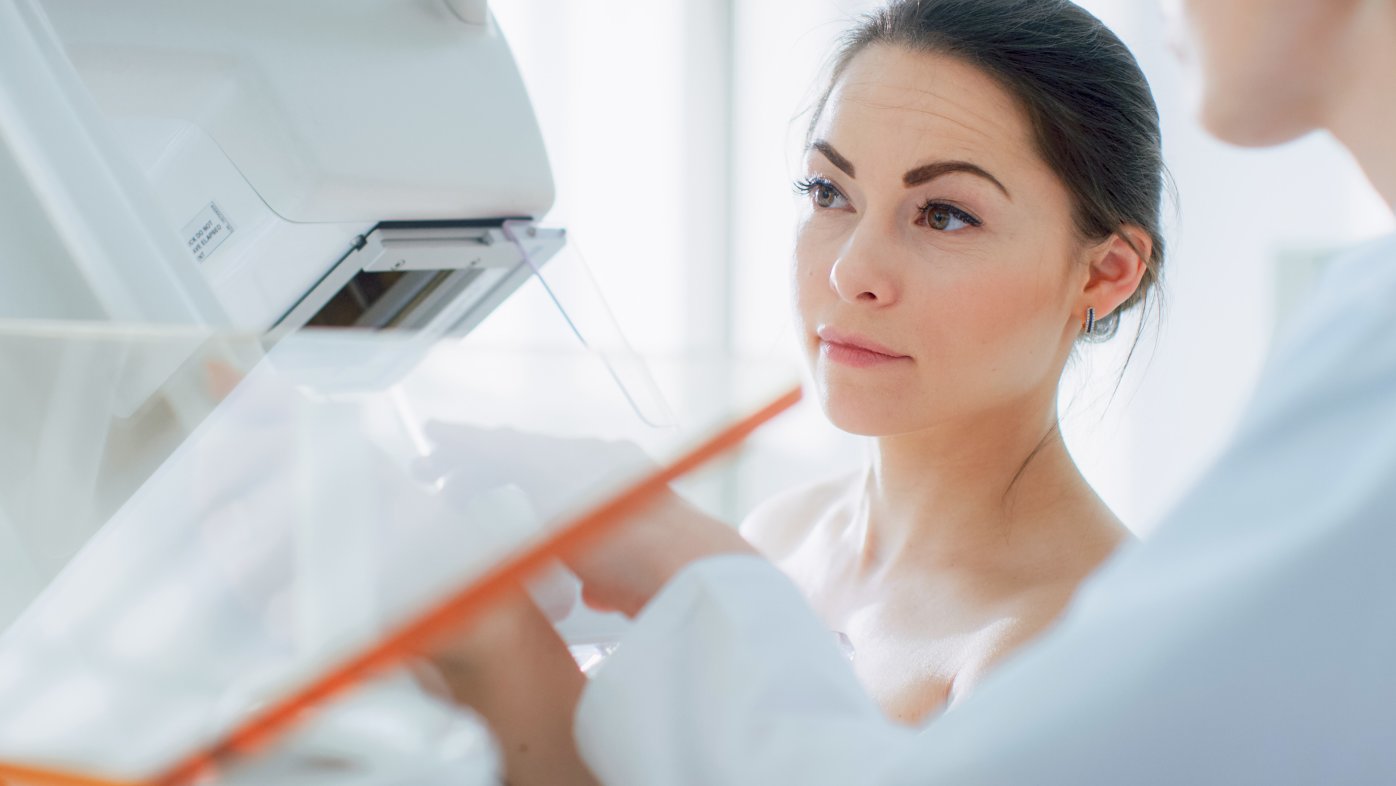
(674, 129)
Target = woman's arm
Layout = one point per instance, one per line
(511, 667)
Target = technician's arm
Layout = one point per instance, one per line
(730, 679)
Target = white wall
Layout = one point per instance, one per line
(634, 118)
(674, 129)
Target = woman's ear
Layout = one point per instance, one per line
(1118, 265)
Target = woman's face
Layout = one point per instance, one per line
(937, 270)
(1266, 65)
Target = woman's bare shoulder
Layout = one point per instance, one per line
(778, 525)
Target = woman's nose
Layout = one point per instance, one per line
(861, 275)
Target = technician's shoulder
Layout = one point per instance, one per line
(1343, 341)
(780, 524)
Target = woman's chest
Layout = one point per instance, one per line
(909, 672)
(911, 636)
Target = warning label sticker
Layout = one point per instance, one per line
(207, 231)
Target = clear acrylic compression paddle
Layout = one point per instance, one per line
(591, 320)
(306, 467)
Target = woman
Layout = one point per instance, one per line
(1247, 641)
(983, 183)
(982, 192)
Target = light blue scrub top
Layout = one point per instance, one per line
(1252, 639)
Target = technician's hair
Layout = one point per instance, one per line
(1093, 116)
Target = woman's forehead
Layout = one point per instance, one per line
(893, 103)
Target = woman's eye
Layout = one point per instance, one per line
(944, 218)
(822, 193)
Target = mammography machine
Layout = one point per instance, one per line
(264, 167)
(254, 168)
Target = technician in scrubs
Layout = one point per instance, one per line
(1250, 640)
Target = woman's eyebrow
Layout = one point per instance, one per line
(834, 156)
(917, 176)
(929, 172)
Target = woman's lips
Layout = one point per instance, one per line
(853, 350)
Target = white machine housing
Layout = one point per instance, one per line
(330, 162)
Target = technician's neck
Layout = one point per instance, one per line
(1363, 111)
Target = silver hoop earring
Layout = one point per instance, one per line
(1090, 320)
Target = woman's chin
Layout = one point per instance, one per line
(862, 421)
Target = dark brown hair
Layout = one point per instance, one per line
(1092, 114)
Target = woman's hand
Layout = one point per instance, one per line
(558, 475)
(622, 570)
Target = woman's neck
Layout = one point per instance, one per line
(968, 493)
(1362, 109)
